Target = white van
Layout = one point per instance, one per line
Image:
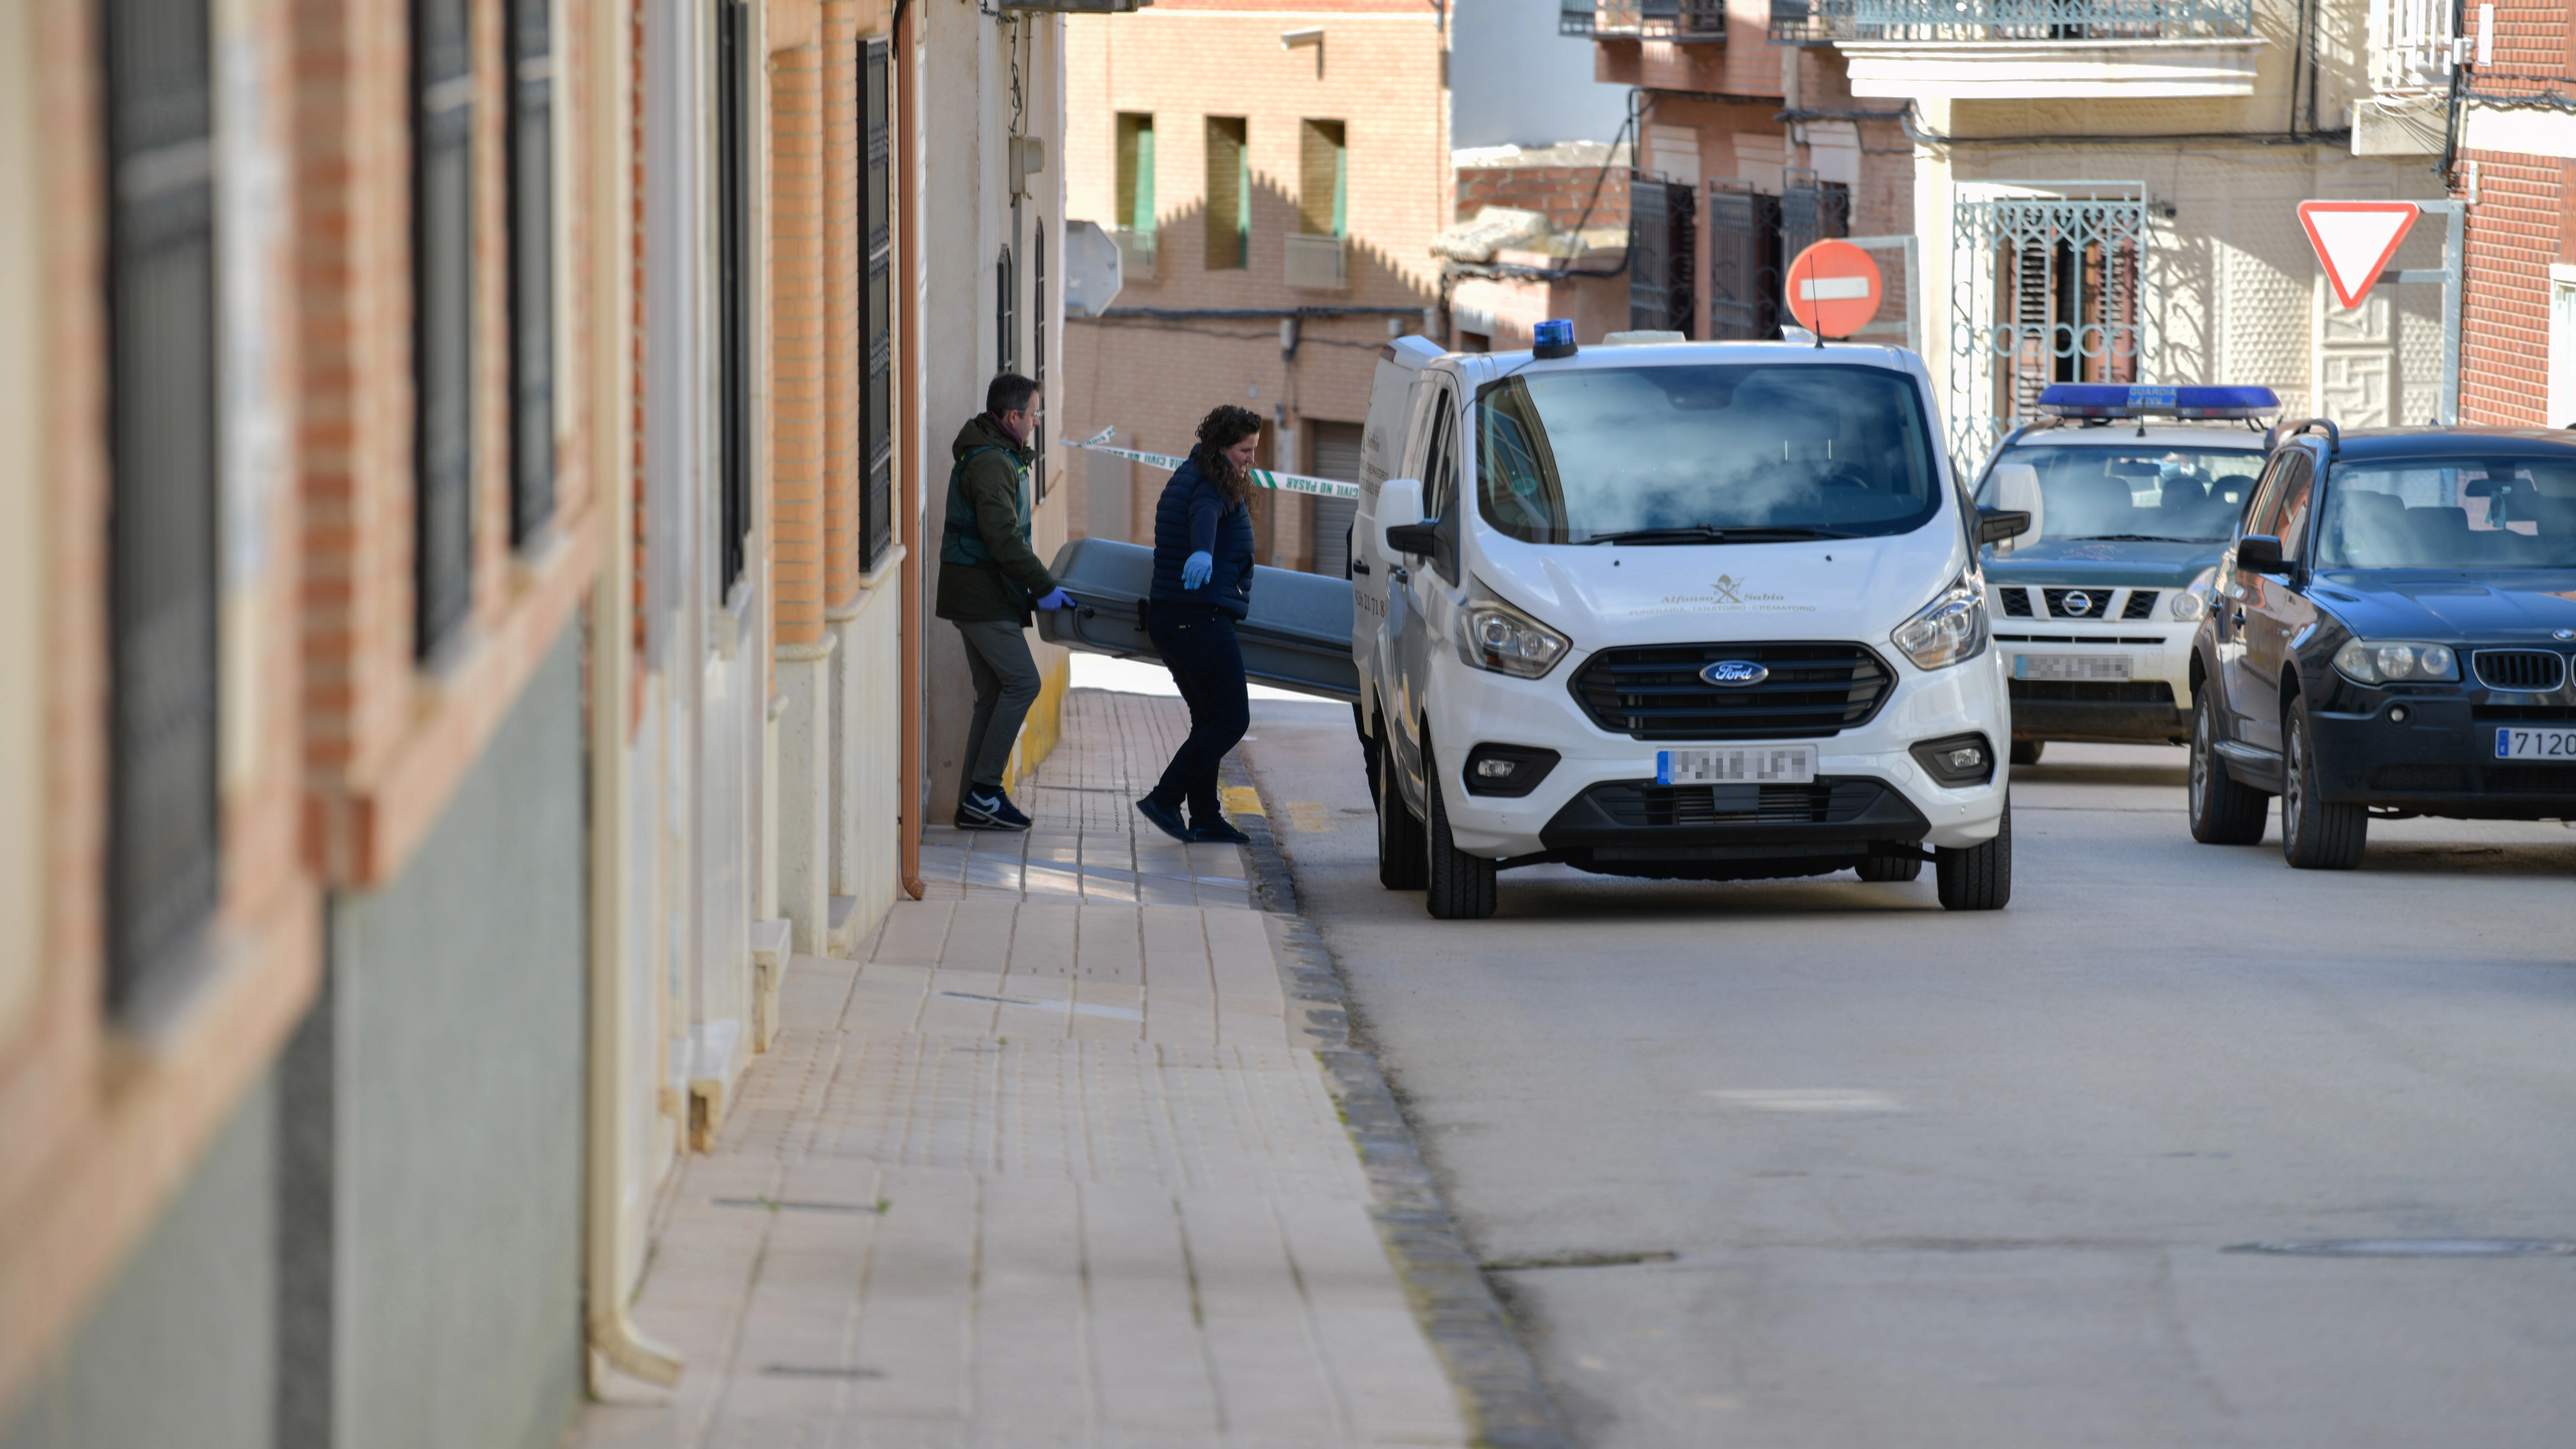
(1692, 611)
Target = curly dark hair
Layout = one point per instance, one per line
(1223, 427)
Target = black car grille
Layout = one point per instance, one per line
(1827, 801)
(2016, 602)
(1654, 692)
(2525, 671)
(2096, 603)
(2090, 691)
(2142, 604)
(2530, 780)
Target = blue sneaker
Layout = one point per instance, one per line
(1165, 818)
(989, 810)
(1217, 830)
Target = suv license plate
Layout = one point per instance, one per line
(1753, 764)
(2557, 744)
(2070, 666)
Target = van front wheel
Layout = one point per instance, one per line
(1977, 877)
(1461, 887)
(1400, 860)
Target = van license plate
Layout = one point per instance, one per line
(2070, 666)
(1753, 764)
(2513, 744)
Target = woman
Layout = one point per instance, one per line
(1202, 584)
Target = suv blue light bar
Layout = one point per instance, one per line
(2112, 400)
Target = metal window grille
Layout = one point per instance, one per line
(443, 330)
(734, 221)
(1006, 319)
(1661, 254)
(1744, 263)
(2008, 20)
(1811, 211)
(876, 301)
(532, 268)
(164, 832)
(2044, 288)
(1038, 373)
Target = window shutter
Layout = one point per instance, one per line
(733, 267)
(164, 838)
(1038, 374)
(532, 268)
(876, 301)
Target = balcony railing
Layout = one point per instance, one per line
(2410, 45)
(1317, 263)
(1574, 17)
(1135, 254)
(1695, 20)
(1951, 21)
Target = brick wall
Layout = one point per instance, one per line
(1562, 192)
(796, 322)
(2513, 233)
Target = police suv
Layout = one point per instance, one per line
(1696, 611)
(2132, 495)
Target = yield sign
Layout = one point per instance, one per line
(1833, 289)
(2355, 239)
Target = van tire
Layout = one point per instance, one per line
(1461, 887)
(2224, 810)
(1890, 867)
(2314, 834)
(1977, 877)
(1401, 863)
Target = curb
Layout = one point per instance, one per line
(1507, 1403)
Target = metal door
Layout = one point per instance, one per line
(2045, 288)
(1743, 263)
(1662, 259)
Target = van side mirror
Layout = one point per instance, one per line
(1401, 528)
(2258, 553)
(1995, 525)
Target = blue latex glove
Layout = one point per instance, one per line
(1195, 569)
(1057, 600)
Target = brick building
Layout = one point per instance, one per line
(1275, 173)
(2514, 144)
(464, 468)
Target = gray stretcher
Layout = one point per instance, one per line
(1298, 636)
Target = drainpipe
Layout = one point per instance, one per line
(907, 459)
(612, 662)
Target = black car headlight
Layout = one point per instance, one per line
(1956, 761)
(2373, 661)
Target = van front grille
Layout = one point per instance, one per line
(1655, 692)
(1827, 801)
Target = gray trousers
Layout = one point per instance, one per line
(1006, 684)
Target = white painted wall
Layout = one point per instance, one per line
(1513, 81)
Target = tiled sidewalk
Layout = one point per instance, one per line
(1045, 1168)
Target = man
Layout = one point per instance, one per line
(988, 579)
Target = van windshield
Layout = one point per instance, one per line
(1704, 454)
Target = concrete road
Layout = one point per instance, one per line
(1896, 1177)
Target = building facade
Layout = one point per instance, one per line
(1274, 174)
(466, 467)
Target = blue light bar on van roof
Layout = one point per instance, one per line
(2112, 400)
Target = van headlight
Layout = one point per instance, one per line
(1492, 635)
(1949, 629)
(2191, 605)
(2369, 661)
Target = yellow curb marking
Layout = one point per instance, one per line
(1241, 800)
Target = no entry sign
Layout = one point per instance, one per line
(1833, 289)
(2355, 240)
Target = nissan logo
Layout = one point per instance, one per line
(2078, 604)
(1735, 673)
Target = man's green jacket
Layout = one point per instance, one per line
(987, 571)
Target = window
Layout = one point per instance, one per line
(1323, 179)
(2047, 288)
(532, 268)
(2282, 511)
(876, 303)
(2562, 345)
(1136, 173)
(1229, 195)
(163, 839)
(443, 320)
(734, 221)
(1006, 317)
(1038, 343)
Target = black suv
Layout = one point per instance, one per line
(2390, 636)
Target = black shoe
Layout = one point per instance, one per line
(1164, 817)
(1218, 831)
(989, 810)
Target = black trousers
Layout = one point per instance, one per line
(1198, 645)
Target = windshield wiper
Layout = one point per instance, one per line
(1709, 533)
(2134, 538)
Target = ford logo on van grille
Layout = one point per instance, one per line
(1735, 673)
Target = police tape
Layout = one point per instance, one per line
(1261, 477)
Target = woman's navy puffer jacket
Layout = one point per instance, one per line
(1193, 517)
